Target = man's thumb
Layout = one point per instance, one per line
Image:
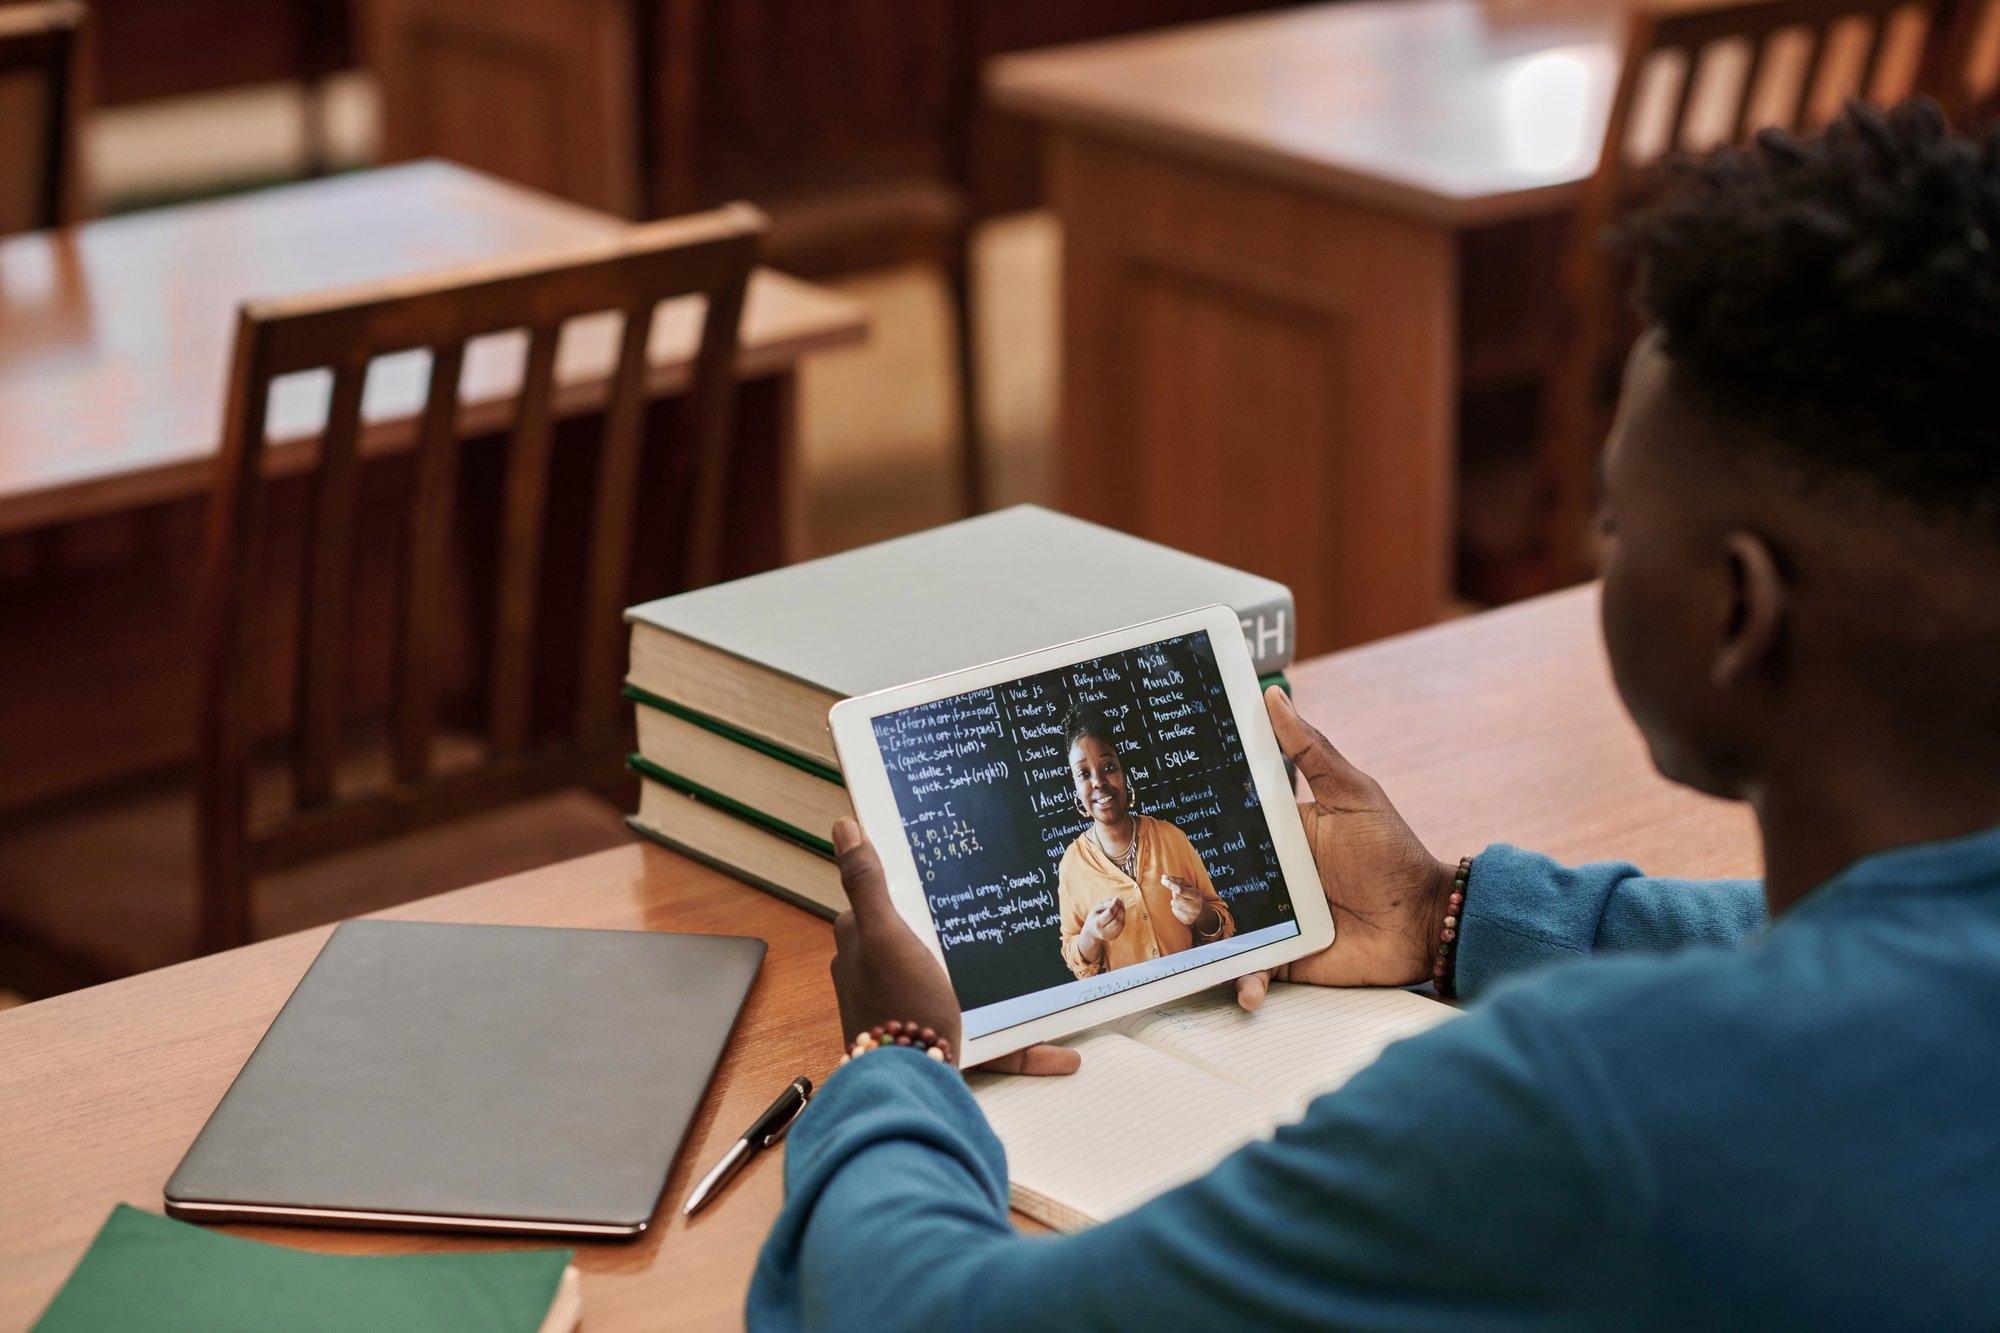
(861, 874)
(1333, 780)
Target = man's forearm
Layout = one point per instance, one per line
(892, 1181)
(1523, 910)
(895, 1217)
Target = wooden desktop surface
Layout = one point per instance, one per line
(1499, 727)
(115, 335)
(1455, 111)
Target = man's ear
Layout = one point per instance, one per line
(1754, 619)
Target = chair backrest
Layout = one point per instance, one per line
(708, 255)
(1698, 74)
(43, 41)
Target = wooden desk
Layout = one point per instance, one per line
(114, 345)
(1499, 727)
(1261, 229)
(115, 336)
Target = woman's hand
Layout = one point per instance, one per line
(882, 971)
(1187, 904)
(1387, 891)
(1102, 924)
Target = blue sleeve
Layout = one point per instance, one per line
(1523, 910)
(1462, 1181)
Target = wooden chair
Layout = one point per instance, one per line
(1698, 74)
(709, 255)
(44, 41)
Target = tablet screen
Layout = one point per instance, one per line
(1021, 803)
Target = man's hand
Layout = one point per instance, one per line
(882, 971)
(1187, 904)
(1387, 891)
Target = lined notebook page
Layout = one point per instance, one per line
(1132, 1123)
(1304, 1041)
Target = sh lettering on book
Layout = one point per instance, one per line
(1085, 830)
(1268, 633)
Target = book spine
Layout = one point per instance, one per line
(675, 845)
(647, 769)
(647, 699)
(1270, 631)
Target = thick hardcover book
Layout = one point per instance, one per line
(752, 773)
(770, 654)
(763, 852)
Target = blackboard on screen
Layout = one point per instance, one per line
(983, 788)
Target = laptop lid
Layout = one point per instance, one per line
(495, 1078)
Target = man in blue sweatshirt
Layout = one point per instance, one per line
(1772, 1105)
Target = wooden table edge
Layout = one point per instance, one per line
(1049, 102)
(844, 322)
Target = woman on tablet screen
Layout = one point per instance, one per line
(1131, 887)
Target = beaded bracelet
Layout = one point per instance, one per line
(1444, 972)
(896, 1032)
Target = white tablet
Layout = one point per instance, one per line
(1088, 830)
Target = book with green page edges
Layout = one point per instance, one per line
(151, 1274)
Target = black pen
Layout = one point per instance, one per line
(770, 1127)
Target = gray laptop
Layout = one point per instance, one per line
(490, 1078)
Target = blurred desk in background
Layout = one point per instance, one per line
(1263, 231)
(115, 340)
(1502, 726)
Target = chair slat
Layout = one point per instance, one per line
(235, 510)
(1871, 61)
(1697, 56)
(1802, 103)
(1746, 98)
(524, 501)
(323, 596)
(708, 410)
(610, 556)
(428, 544)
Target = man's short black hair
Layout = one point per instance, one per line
(1839, 295)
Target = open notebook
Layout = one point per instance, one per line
(1229, 1076)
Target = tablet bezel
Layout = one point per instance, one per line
(852, 723)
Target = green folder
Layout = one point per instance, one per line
(150, 1274)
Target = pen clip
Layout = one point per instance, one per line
(779, 1132)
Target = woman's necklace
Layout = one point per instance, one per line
(1128, 863)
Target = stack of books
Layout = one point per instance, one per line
(732, 683)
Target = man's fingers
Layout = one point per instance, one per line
(1251, 990)
(1333, 780)
(1047, 1061)
(861, 874)
(1039, 1061)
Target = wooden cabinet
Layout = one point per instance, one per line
(536, 93)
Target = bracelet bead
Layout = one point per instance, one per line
(1444, 967)
(899, 1032)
